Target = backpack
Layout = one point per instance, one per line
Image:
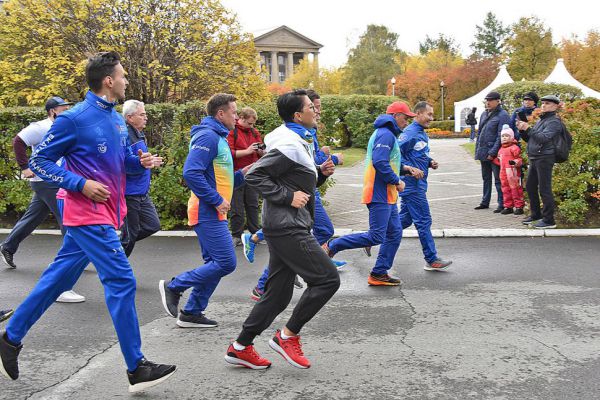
(562, 144)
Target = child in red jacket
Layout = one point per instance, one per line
(510, 161)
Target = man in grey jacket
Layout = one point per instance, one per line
(487, 146)
(540, 151)
(286, 176)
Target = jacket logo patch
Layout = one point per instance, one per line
(382, 145)
(102, 147)
(420, 145)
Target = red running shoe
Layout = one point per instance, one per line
(248, 358)
(290, 349)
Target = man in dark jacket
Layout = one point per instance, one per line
(540, 151)
(471, 120)
(142, 219)
(530, 103)
(287, 177)
(487, 146)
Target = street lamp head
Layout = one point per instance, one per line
(441, 83)
(393, 80)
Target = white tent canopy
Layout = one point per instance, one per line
(462, 108)
(560, 75)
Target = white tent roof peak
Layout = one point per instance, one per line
(560, 74)
(460, 107)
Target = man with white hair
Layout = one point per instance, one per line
(142, 219)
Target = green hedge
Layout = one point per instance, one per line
(443, 125)
(346, 120)
(512, 93)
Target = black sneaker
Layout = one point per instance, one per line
(506, 211)
(481, 207)
(7, 257)
(237, 241)
(148, 374)
(498, 210)
(518, 211)
(195, 321)
(544, 225)
(9, 366)
(529, 220)
(5, 314)
(367, 251)
(170, 298)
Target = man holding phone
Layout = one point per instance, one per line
(246, 147)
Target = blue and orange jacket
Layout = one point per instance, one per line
(414, 146)
(138, 184)
(208, 171)
(382, 163)
(92, 138)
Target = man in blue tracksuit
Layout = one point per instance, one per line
(208, 172)
(414, 208)
(142, 219)
(380, 193)
(92, 138)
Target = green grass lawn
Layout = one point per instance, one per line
(470, 147)
(351, 155)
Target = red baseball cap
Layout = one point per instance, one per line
(399, 107)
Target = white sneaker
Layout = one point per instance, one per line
(70, 297)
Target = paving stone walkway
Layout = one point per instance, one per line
(454, 189)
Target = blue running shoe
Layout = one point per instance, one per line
(339, 264)
(249, 247)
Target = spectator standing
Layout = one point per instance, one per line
(472, 122)
(540, 151)
(530, 104)
(246, 147)
(487, 146)
(142, 219)
(44, 193)
(510, 161)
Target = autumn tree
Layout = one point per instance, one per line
(308, 75)
(173, 50)
(442, 43)
(582, 58)
(530, 50)
(489, 38)
(373, 61)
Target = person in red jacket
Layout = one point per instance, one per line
(246, 147)
(510, 161)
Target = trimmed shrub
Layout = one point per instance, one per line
(512, 93)
(442, 125)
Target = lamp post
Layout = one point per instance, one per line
(442, 88)
(393, 85)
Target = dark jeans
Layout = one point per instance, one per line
(42, 203)
(141, 221)
(244, 206)
(539, 183)
(296, 253)
(487, 169)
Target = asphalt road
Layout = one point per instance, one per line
(514, 318)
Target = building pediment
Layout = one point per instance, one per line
(285, 37)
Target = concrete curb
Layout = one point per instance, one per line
(409, 233)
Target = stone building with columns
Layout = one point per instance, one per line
(281, 49)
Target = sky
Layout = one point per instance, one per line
(337, 25)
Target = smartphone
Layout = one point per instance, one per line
(522, 116)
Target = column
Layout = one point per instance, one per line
(316, 59)
(290, 64)
(274, 68)
(306, 53)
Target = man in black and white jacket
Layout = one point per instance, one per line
(287, 177)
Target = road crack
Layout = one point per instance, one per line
(412, 321)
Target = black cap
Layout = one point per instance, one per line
(493, 96)
(551, 98)
(531, 96)
(56, 101)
